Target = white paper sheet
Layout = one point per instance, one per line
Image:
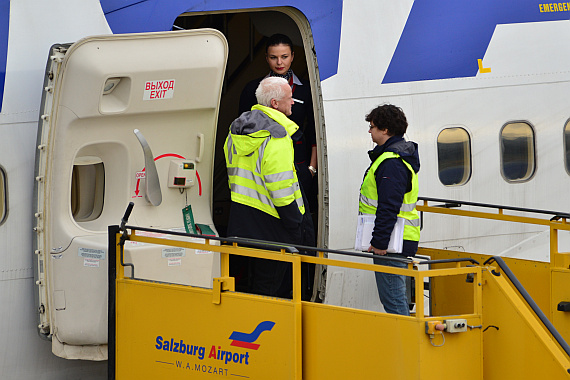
(364, 228)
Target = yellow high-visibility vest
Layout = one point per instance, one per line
(261, 168)
(368, 202)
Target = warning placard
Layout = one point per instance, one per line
(92, 253)
(91, 263)
(173, 252)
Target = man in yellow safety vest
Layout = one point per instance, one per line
(390, 191)
(267, 203)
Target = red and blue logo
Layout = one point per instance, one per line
(245, 340)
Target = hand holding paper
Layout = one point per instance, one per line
(364, 228)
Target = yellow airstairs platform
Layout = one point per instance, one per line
(160, 330)
(547, 282)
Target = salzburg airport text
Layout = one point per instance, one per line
(180, 347)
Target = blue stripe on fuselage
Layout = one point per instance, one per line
(445, 38)
(136, 16)
(4, 24)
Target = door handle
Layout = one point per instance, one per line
(152, 185)
(200, 147)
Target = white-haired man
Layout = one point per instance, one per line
(267, 203)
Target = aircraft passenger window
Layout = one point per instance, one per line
(517, 152)
(567, 146)
(3, 198)
(87, 188)
(454, 156)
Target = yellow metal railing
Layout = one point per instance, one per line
(226, 282)
(148, 318)
(558, 222)
(180, 331)
(548, 283)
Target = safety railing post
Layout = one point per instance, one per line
(113, 241)
(557, 259)
(478, 292)
(298, 365)
(419, 290)
(224, 263)
(554, 259)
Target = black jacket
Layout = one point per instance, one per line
(393, 181)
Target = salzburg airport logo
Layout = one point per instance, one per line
(245, 340)
(221, 359)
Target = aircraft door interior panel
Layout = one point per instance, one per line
(126, 118)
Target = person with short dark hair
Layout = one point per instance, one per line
(390, 190)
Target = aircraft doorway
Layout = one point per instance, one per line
(247, 33)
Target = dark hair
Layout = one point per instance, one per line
(389, 117)
(278, 39)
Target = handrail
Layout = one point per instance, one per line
(447, 203)
(539, 313)
(251, 242)
(263, 244)
(234, 249)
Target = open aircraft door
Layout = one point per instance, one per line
(124, 118)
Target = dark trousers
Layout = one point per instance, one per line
(271, 278)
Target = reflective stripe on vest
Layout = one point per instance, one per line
(243, 190)
(230, 149)
(368, 201)
(373, 203)
(261, 151)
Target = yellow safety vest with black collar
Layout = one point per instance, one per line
(261, 168)
(368, 202)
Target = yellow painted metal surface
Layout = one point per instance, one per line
(547, 283)
(448, 295)
(516, 346)
(176, 332)
(170, 331)
(343, 343)
(560, 293)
